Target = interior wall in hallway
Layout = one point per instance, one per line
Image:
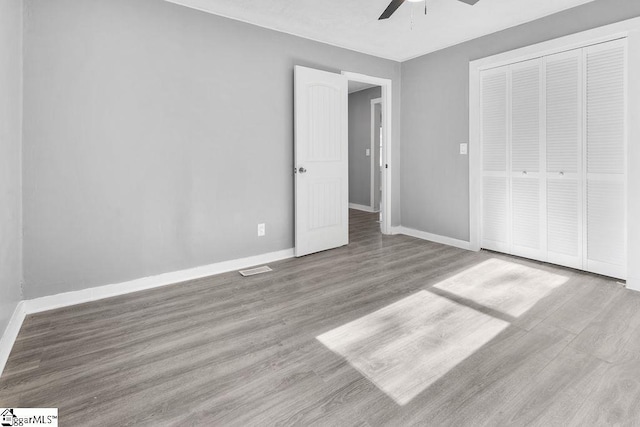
(359, 142)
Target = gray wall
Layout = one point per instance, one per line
(157, 137)
(359, 141)
(10, 153)
(435, 115)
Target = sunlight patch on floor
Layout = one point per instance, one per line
(504, 286)
(407, 346)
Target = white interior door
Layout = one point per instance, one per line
(321, 161)
(605, 158)
(565, 217)
(528, 207)
(496, 230)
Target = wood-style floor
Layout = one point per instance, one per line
(389, 330)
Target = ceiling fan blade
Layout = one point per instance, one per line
(393, 6)
(471, 2)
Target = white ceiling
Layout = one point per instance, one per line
(354, 24)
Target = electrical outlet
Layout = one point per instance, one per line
(367, 152)
(464, 149)
(261, 230)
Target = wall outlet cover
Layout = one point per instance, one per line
(464, 148)
(261, 230)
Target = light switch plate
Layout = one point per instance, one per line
(464, 148)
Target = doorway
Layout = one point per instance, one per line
(369, 147)
(365, 125)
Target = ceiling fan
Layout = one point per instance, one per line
(395, 4)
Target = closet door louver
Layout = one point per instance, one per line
(563, 76)
(495, 194)
(527, 169)
(605, 158)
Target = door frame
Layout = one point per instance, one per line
(628, 29)
(386, 100)
(374, 147)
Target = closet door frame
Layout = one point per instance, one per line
(629, 29)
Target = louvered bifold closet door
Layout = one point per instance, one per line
(494, 128)
(527, 166)
(606, 158)
(563, 77)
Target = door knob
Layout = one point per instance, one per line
(302, 170)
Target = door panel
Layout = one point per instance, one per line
(564, 112)
(526, 214)
(494, 120)
(494, 128)
(564, 228)
(606, 158)
(605, 109)
(605, 224)
(494, 213)
(321, 161)
(525, 117)
(564, 158)
(528, 204)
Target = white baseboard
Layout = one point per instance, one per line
(51, 302)
(11, 333)
(633, 284)
(362, 208)
(431, 237)
(66, 299)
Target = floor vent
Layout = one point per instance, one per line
(254, 271)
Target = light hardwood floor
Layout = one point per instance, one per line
(389, 330)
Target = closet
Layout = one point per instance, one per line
(553, 156)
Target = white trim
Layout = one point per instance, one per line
(475, 159)
(51, 302)
(11, 333)
(633, 160)
(444, 240)
(387, 119)
(363, 208)
(374, 149)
